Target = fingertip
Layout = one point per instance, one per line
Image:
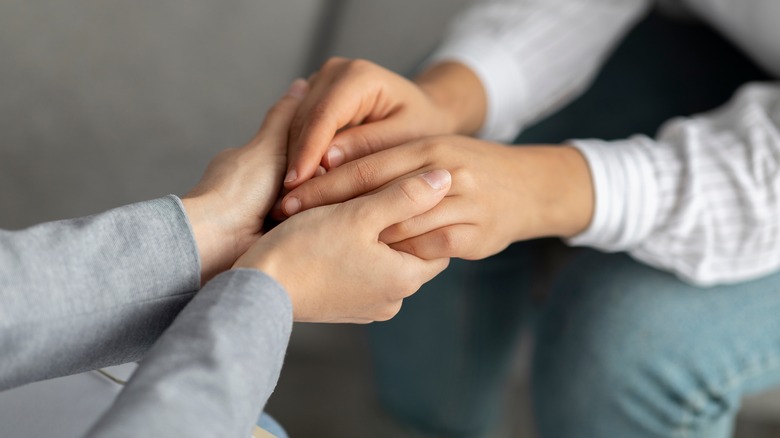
(291, 205)
(291, 176)
(437, 179)
(294, 179)
(298, 88)
(334, 157)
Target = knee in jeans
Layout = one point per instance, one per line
(614, 343)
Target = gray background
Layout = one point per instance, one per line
(106, 103)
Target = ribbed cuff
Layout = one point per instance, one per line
(499, 74)
(626, 193)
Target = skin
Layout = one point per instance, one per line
(333, 264)
(499, 194)
(356, 108)
(229, 204)
(385, 127)
(329, 260)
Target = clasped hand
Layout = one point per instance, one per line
(329, 259)
(402, 194)
(387, 128)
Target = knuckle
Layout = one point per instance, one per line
(316, 194)
(389, 311)
(411, 247)
(401, 230)
(434, 147)
(359, 66)
(466, 179)
(332, 62)
(450, 240)
(365, 174)
(407, 190)
(363, 140)
(410, 284)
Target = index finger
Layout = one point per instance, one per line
(330, 107)
(355, 178)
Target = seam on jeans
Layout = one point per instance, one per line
(697, 399)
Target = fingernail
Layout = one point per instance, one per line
(298, 88)
(438, 179)
(292, 206)
(335, 157)
(291, 176)
(320, 171)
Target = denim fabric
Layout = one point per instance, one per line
(442, 361)
(626, 350)
(622, 350)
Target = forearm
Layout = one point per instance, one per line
(534, 56)
(554, 192)
(212, 372)
(90, 292)
(703, 200)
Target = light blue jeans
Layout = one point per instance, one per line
(622, 350)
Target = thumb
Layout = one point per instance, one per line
(403, 199)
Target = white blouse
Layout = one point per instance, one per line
(701, 200)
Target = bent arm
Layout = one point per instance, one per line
(532, 56)
(702, 200)
(212, 372)
(91, 292)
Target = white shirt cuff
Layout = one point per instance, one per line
(500, 75)
(626, 193)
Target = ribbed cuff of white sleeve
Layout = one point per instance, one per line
(501, 77)
(626, 193)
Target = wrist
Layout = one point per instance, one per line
(218, 247)
(458, 95)
(559, 183)
(270, 261)
(264, 262)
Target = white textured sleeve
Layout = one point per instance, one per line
(703, 200)
(534, 56)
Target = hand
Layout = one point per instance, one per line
(331, 263)
(356, 108)
(227, 207)
(499, 194)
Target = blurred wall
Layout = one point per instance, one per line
(397, 34)
(104, 103)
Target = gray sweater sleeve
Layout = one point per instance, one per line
(85, 293)
(212, 371)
